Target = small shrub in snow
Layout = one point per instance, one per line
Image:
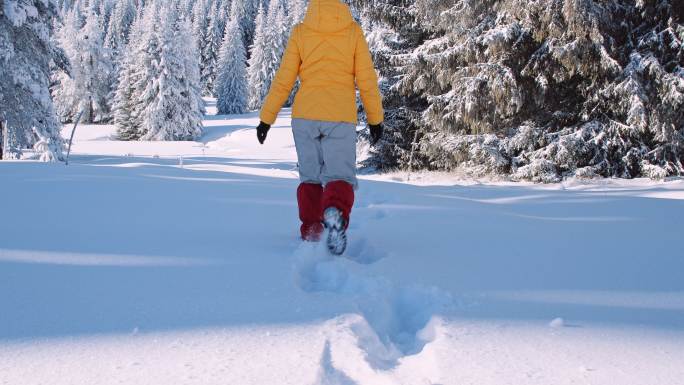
(652, 171)
(539, 170)
(557, 323)
(476, 154)
(47, 148)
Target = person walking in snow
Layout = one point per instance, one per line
(329, 54)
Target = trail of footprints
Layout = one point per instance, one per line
(394, 321)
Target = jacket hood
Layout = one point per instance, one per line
(327, 16)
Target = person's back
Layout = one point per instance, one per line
(329, 54)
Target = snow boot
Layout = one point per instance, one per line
(311, 232)
(309, 198)
(339, 194)
(336, 229)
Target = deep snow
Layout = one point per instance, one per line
(165, 263)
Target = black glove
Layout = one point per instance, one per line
(375, 132)
(262, 130)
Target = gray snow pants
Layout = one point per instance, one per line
(326, 151)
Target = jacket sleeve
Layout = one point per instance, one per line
(367, 80)
(283, 82)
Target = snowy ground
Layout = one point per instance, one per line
(179, 263)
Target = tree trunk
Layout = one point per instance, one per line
(3, 136)
(91, 118)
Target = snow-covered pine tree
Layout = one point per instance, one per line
(146, 65)
(80, 9)
(105, 10)
(25, 55)
(546, 89)
(136, 86)
(237, 11)
(87, 85)
(123, 107)
(175, 113)
(245, 11)
(280, 32)
(267, 50)
(278, 19)
(393, 33)
(297, 11)
(256, 70)
(94, 6)
(223, 15)
(185, 8)
(277, 29)
(140, 9)
(211, 48)
(64, 5)
(231, 82)
(200, 29)
(193, 116)
(123, 15)
(120, 23)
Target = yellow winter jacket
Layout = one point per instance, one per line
(330, 55)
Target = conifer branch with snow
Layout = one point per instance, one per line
(537, 90)
(26, 51)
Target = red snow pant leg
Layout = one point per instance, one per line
(339, 194)
(309, 197)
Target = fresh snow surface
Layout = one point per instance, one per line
(179, 263)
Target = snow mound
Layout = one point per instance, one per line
(557, 323)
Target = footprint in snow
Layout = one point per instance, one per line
(379, 214)
(363, 217)
(401, 318)
(328, 374)
(363, 252)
